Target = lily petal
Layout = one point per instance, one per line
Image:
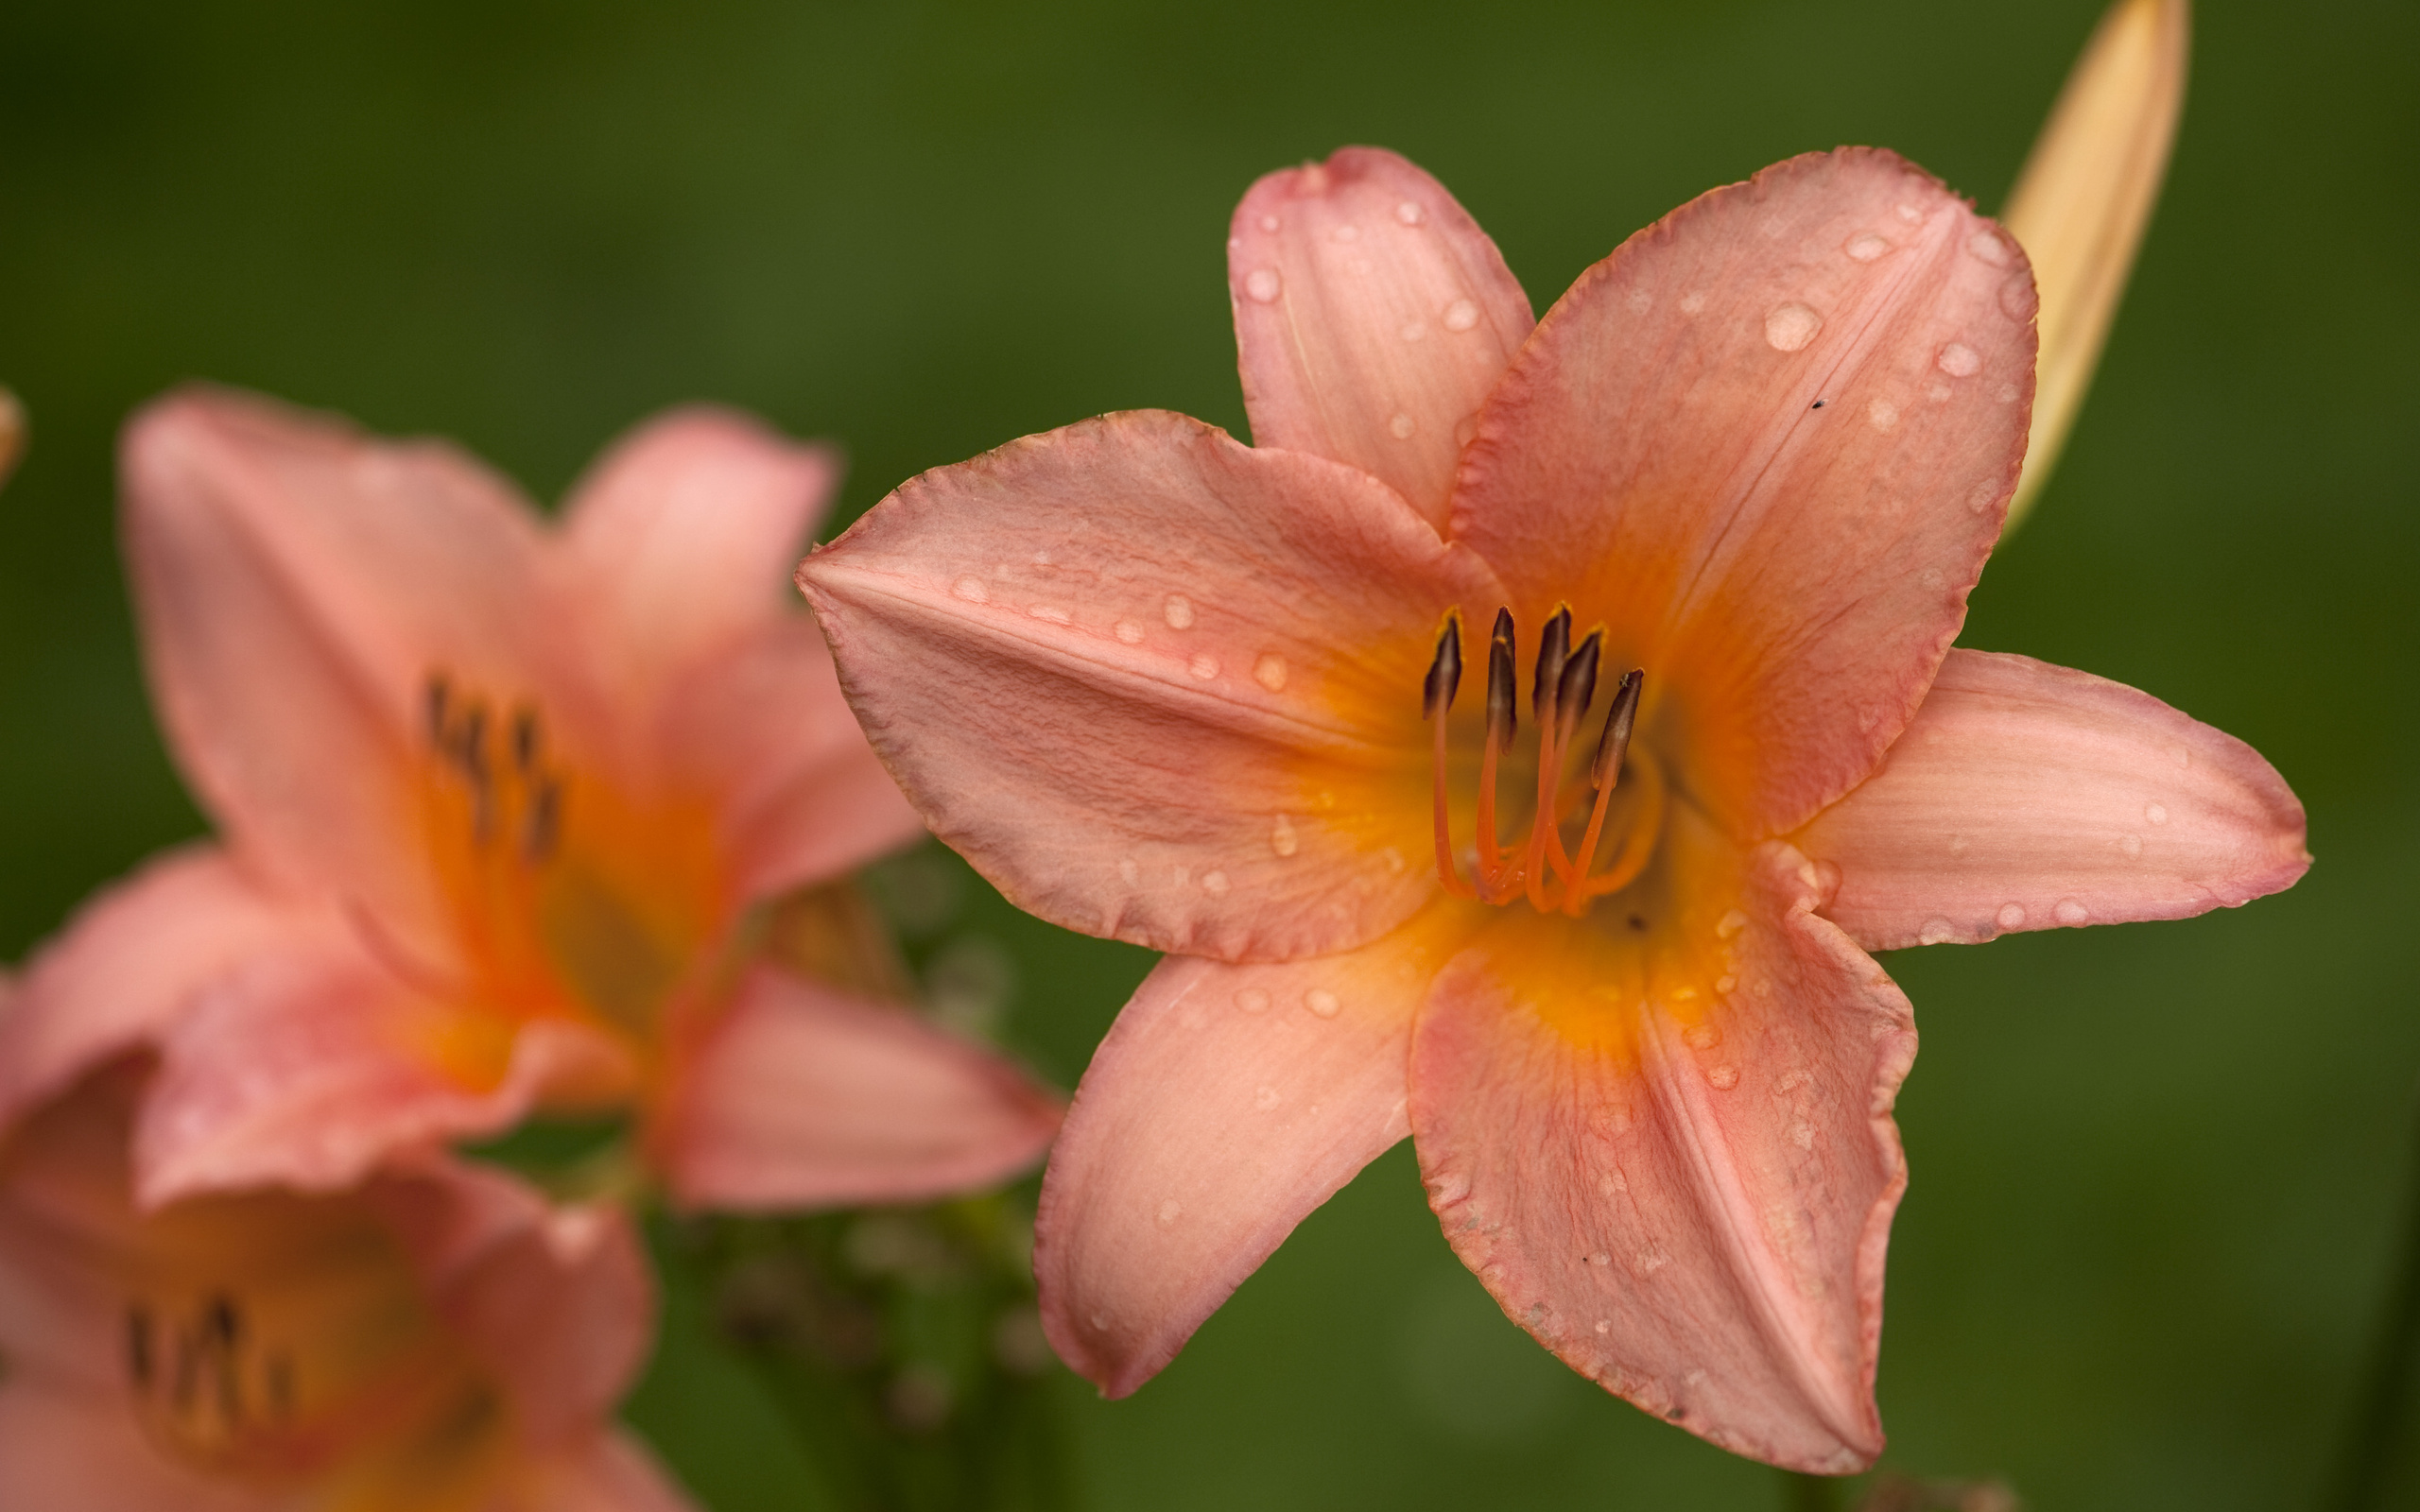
(2027, 796)
(305, 1068)
(609, 1472)
(134, 959)
(1779, 427)
(77, 1451)
(804, 1097)
(1372, 317)
(1691, 1214)
(1224, 1105)
(297, 584)
(1156, 684)
(682, 533)
(799, 796)
(2085, 199)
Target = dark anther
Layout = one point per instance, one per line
(1445, 672)
(1554, 647)
(440, 696)
(1577, 688)
(222, 1320)
(525, 739)
(545, 822)
(1614, 744)
(1636, 922)
(472, 748)
(1502, 719)
(139, 1364)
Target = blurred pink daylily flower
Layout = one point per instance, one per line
(501, 800)
(1162, 686)
(435, 1340)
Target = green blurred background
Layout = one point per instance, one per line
(2158, 1170)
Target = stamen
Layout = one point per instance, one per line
(1578, 688)
(1555, 648)
(1545, 691)
(543, 828)
(139, 1354)
(525, 740)
(1605, 771)
(1575, 690)
(1503, 721)
(1437, 697)
(438, 699)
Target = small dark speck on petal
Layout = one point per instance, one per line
(1636, 922)
(1818, 404)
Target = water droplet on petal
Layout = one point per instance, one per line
(1130, 633)
(1986, 244)
(1322, 1002)
(1400, 427)
(2156, 813)
(1266, 1098)
(1937, 931)
(1348, 233)
(1051, 613)
(1605, 1325)
(1911, 213)
(1723, 1079)
(1600, 1257)
(2131, 844)
(1722, 985)
(2070, 911)
(1691, 304)
(1215, 883)
(1791, 327)
(1938, 391)
(1960, 360)
(1865, 246)
(1985, 494)
(1730, 924)
(1268, 222)
(1702, 1036)
(1262, 285)
(1883, 414)
(1415, 331)
(2019, 300)
(1203, 665)
(1252, 1000)
(1639, 300)
(1169, 1212)
(1460, 316)
(2012, 916)
(970, 588)
(1127, 872)
(1179, 610)
(1269, 672)
(1802, 1134)
(1411, 214)
(1281, 837)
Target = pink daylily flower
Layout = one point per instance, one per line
(1604, 958)
(502, 801)
(436, 1339)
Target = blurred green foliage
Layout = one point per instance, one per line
(2156, 1169)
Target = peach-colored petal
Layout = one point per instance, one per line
(804, 1097)
(1372, 317)
(1156, 684)
(62, 1197)
(1225, 1104)
(682, 537)
(1768, 440)
(63, 1451)
(136, 957)
(609, 1472)
(801, 797)
(306, 1069)
(297, 584)
(1692, 1212)
(2027, 797)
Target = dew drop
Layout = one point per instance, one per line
(1639, 300)
(1099, 1322)
(1723, 1079)
(1130, 633)
(1865, 246)
(1252, 1000)
(1730, 924)
(1600, 1257)
(1883, 414)
(1262, 285)
(1410, 212)
(1203, 665)
(1348, 233)
(1179, 611)
(1911, 213)
(1702, 1036)
(1169, 1212)
(2156, 813)
(2070, 911)
(1415, 331)
(1937, 931)
(1791, 327)
(1127, 872)
(1460, 316)
(1322, 1002)
(2012, 916)
(1268, 222)
(1401, 426)
(971, 589)
(1215, 883)
(1986, 244)
(2131, 844)
(1266, 1098)
(1802, 1134)
(1281, 837)
(1722, 985)
(1651, 1261)
(1396, 864)
(1985, 494)
(2019, 300)
(1269, 672)
(1691, 304)
(1938, 391)
(1051, 613)
(2007, 394)
(1605, 1325)
(1959, 360)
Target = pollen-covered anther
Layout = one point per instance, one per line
(519, 797)
(1563, 686)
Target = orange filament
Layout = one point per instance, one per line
(1540, 869)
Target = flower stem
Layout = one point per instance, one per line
(1809, 1493)
(2382, 1413)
